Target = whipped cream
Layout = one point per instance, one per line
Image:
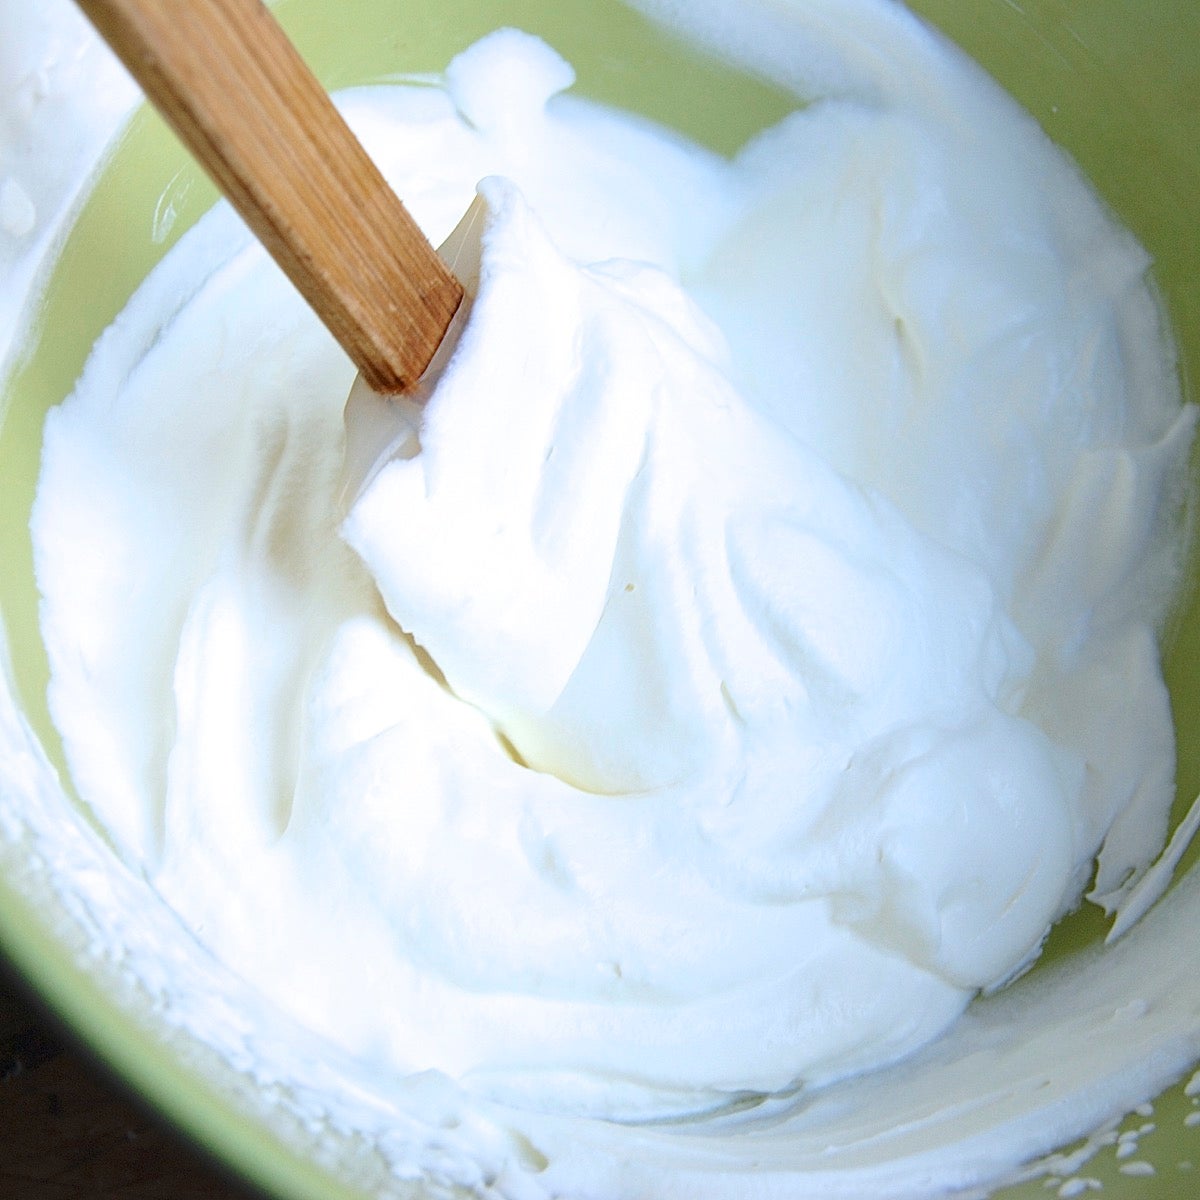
(63, 95)
(737, 665)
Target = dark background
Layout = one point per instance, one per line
(69, 1131)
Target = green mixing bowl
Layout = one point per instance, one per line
(1117, 82)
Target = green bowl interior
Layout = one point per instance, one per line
(1117, 82)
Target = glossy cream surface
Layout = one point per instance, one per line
(738, 663)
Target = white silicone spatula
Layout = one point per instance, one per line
(229, 82)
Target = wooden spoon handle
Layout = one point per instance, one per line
(227, 79)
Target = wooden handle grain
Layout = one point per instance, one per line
(230, 83)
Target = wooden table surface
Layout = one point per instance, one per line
(69, 1132)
